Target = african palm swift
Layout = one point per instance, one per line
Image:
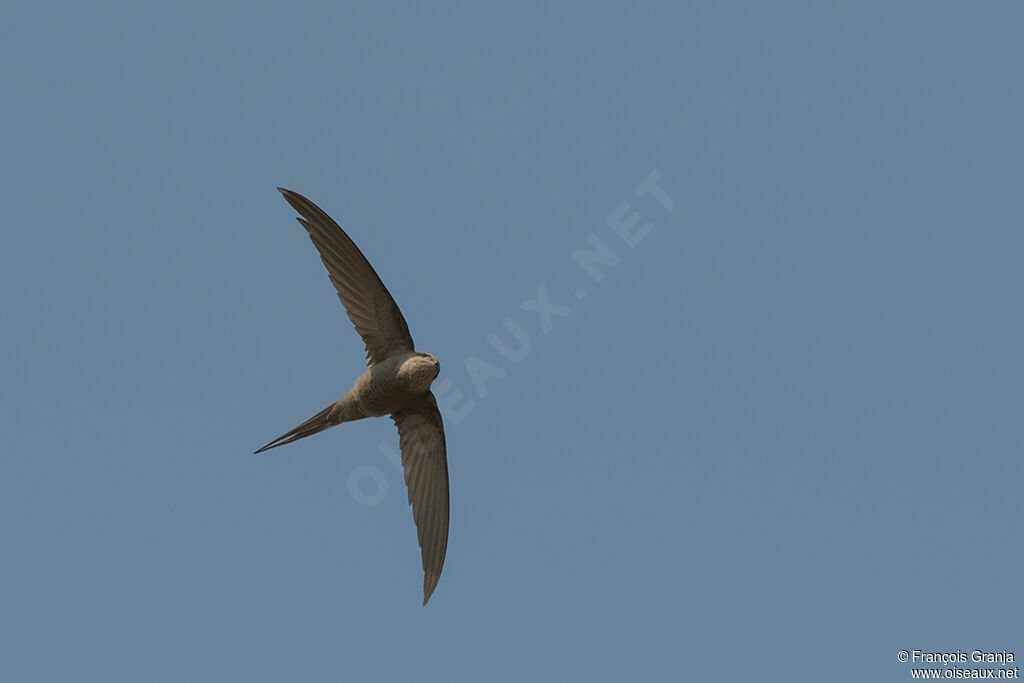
(397, 383)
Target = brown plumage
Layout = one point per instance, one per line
(396, 383)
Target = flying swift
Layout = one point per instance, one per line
(396, 383)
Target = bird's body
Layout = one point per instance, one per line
(397, 383)
(404, 376)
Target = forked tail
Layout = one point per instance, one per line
(328, 417)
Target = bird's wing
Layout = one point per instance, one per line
(421, 439)
(367, 301)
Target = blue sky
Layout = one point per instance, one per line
(779, 439)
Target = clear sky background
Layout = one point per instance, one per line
(780, 439)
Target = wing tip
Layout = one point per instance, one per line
(430, 580)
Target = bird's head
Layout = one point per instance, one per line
(418, 371)
(431, 362)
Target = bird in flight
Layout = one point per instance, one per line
(397, 383)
